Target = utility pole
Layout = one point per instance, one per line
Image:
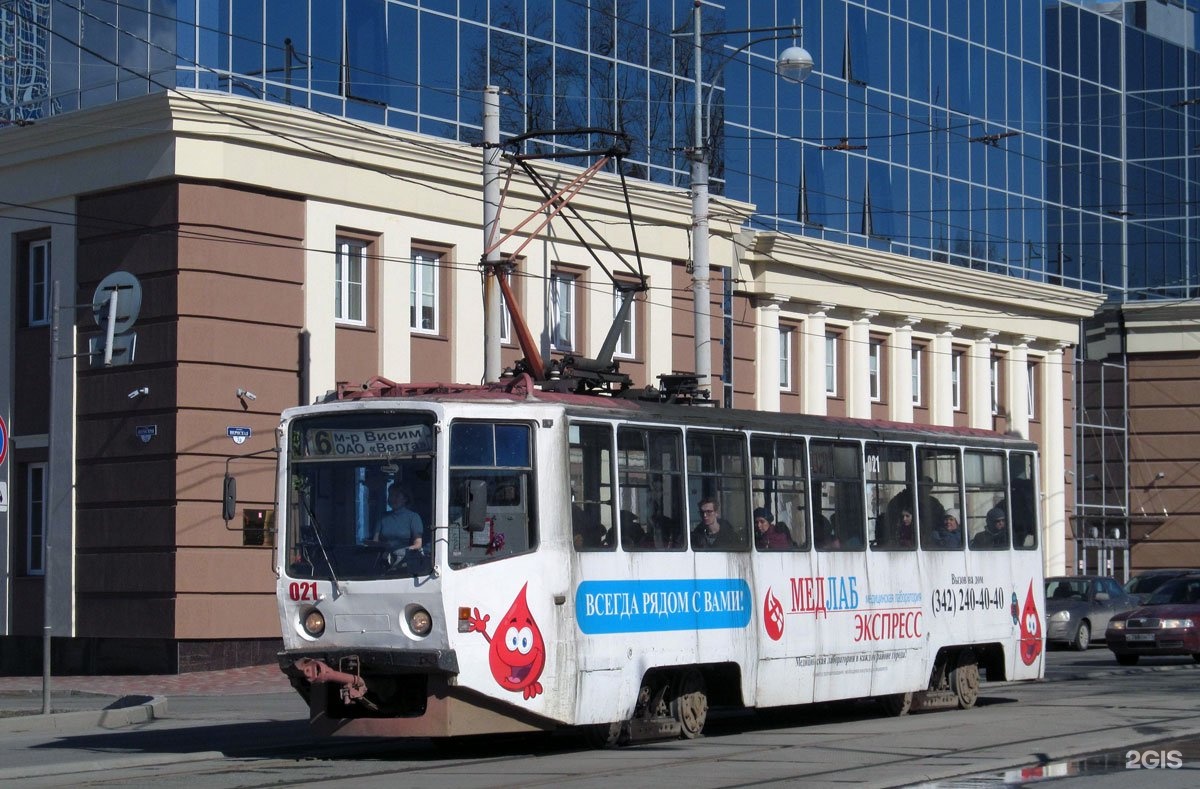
(47, 601)
(701, 289)
(491, 218)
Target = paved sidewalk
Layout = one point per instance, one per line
(82, 702)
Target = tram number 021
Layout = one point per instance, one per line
(952, 600)
(302, 590)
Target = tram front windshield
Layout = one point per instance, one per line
(361, 495)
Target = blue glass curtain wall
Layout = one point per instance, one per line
(1051, 141)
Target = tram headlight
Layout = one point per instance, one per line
(419, 621)
(313, 623)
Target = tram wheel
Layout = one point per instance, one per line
(689, 703)
(896, 704)
(964, 680)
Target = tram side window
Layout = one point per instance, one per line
(653, 516)
(716, 465)
(987, 501)
(837, 496)
(777, 485)
(939, 499)
(891, 514)
(492, 492)
(589, 460)
(1024, 499)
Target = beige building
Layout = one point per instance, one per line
(279, 252)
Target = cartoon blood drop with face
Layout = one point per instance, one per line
(1031, 629)
(518, 653)
(772, 616)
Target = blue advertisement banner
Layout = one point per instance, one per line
(646, 606)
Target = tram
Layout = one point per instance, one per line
(621, 564)
(560, 550)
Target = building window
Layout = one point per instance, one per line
(956, 380)
(350, 298)
(785, 359)
(875, 369)
(423, 291)
(995, 385)
(917, 359)
(38, 269)
(1032, 373)
(35, 518)
(627, 342)
(562, 311)
(831, 366)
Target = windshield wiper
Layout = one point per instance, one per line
(312, 516)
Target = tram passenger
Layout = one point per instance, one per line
(633, 536)
(587, 532)
(902, 530)
(823, 533)
(769, 535)
(400, 530)
(949, 536)
(713, 533)
(994, 536)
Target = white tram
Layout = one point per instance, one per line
(562, 579)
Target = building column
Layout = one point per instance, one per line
(941, 369)
(812, 360)
(1054, 472)
(900, 393)
(979, 411)
(767, 328)
(858, 356)
(1017, 376)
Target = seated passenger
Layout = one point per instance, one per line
(902, 532)
(587, 533)
(994, 536)
(632, 534)
(713, 533)
(823, 534)
(768, 535)
(949, 536)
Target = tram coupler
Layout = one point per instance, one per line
(353, 687)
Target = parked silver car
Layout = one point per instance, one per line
(1079, 606)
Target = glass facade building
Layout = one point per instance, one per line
(1054, 141)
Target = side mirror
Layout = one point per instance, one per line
(1101, 597)
(229, 498)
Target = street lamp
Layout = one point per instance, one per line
(793, 64)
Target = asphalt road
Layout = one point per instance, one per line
(1018, 734)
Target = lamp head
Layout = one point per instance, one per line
(794, 64)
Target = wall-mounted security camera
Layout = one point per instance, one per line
(246, 394)
(141, 391)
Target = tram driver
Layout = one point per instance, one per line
(400, 530)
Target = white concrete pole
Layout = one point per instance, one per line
(1017, 386)
(858, 356)
(941, 368)
(812, 360)
(1054, 484)
(767, 323)
(980, 411)
(491, 216)
(900, 388)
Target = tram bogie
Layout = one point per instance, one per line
(556, 564)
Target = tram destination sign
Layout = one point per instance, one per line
(386, 441)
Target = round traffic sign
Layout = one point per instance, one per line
(129, 300)
(3, 440)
